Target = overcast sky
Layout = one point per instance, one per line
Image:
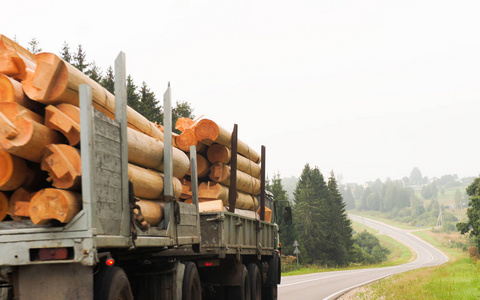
(367, 88)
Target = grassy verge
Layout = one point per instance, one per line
(457, 279)
(376, 215)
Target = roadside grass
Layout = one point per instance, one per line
(459, 278)
(377, 215)
(399, 254)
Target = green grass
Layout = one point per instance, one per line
(376, 215)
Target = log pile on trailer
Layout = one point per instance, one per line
(40, 161)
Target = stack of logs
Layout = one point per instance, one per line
(40, 162)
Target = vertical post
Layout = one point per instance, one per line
(86, 148)
(232, 192)
(262, 186)
(121, 117)
(167, 149)
(194, 177)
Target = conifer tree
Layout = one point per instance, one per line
(79, 59)
(65, 53)
(34, 46)
(94, 72)
(133, 98)
(108, 82)
(149, 106)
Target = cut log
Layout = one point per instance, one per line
(19, 204)
(186, 189)
(208, 132)
(148, 184)
(213, 191)
(12, 91)
(13, 110)
(268, 214)
(181, 164)
(221, 153)
(54, 204)
(3, 206)
(64, 166)
(214, 205)
(220, 173)
(66, 119)
(56, 81)
(13, 171)
(203, 167)
(186, 139)
(15, 61)
(152, 211)
(183, 124)
(26, 138)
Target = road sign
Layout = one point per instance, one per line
(296, 251)
(296, 244)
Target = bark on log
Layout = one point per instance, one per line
(13, 110)
(19, 204)
(12, 91)
(213, 191)
(148, 184)
(221, 153)
(220, 173)
(13, 171)
(53, 204)
(181, 164)
(203, 167)
(15, 61)
(64, 166)
(26, 138)
(152, 211)
(208, 132)
(3, 206)
(56, 81)
(66, 119)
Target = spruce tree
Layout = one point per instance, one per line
(149, 106)
(65, 53)
(34, 46)
(108, 82)
(94, 72)
(79, 59)
(133, 98)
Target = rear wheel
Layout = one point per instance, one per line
(245, 287)
(255, 282)
(269, 293)
(191, 288)
(111, 283)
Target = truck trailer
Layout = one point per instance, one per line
(107, 251)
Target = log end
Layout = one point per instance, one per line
(53, 204)
(206, 131)
(185, 140)
(13, 171)
(7, 89)
(11, 64)
(50, 79)
(19, 205)
(3, 206)
(219, 172)
(57, 120)
(63, 164)
(218, 153)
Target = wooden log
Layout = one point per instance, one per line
(203, 167)
(56, 81)
(19, 204)
(12, 91)
(15, 61)
(13, 171)
(213, 191)
(64, 118)
(26, 138)
(220, 173)
(268, 214)
(221, 153)
(186, 189)
(64, 166)
(185, 140)
(54, 204)
(13, 110)
(208, 132)
(152, 211)
(148, 184)
(181, 164)
(214, 205)
(3, 206)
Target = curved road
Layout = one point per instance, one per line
(331, 285)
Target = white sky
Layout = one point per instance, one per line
(367, 88)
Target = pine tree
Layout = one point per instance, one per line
(94, 72)
(133, 98)
(79, 59)
(108, 82)
(34, 46)
(341, 235)
(149, 106)
(65, 53)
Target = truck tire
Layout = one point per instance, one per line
(111, 283)
(255, 282)
(269, 292)
(241, 292)
(191, 286)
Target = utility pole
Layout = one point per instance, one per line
(439, 220)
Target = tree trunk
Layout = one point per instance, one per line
(53, 204)
(152, 211)
(203, 167)
(12, 91)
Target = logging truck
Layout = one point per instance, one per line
(117, 246)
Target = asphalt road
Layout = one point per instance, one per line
(331, 285)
